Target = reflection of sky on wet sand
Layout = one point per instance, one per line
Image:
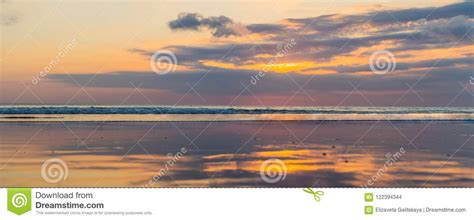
(231, 153)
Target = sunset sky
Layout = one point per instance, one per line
(98, 52)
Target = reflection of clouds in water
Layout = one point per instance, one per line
(324, 158)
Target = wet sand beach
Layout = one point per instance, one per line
(231, 154)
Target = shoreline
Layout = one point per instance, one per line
(231, 117)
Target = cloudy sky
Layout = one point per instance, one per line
(267, 53)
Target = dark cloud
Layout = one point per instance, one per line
(195, 55)
(406, 66)
(336, 22)
(228, 82)
(393, 16)
(325, 37)
(450, 29)
(267, 28)
(411, 28)
(440, 85)
(220, 26)
(8, 19)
